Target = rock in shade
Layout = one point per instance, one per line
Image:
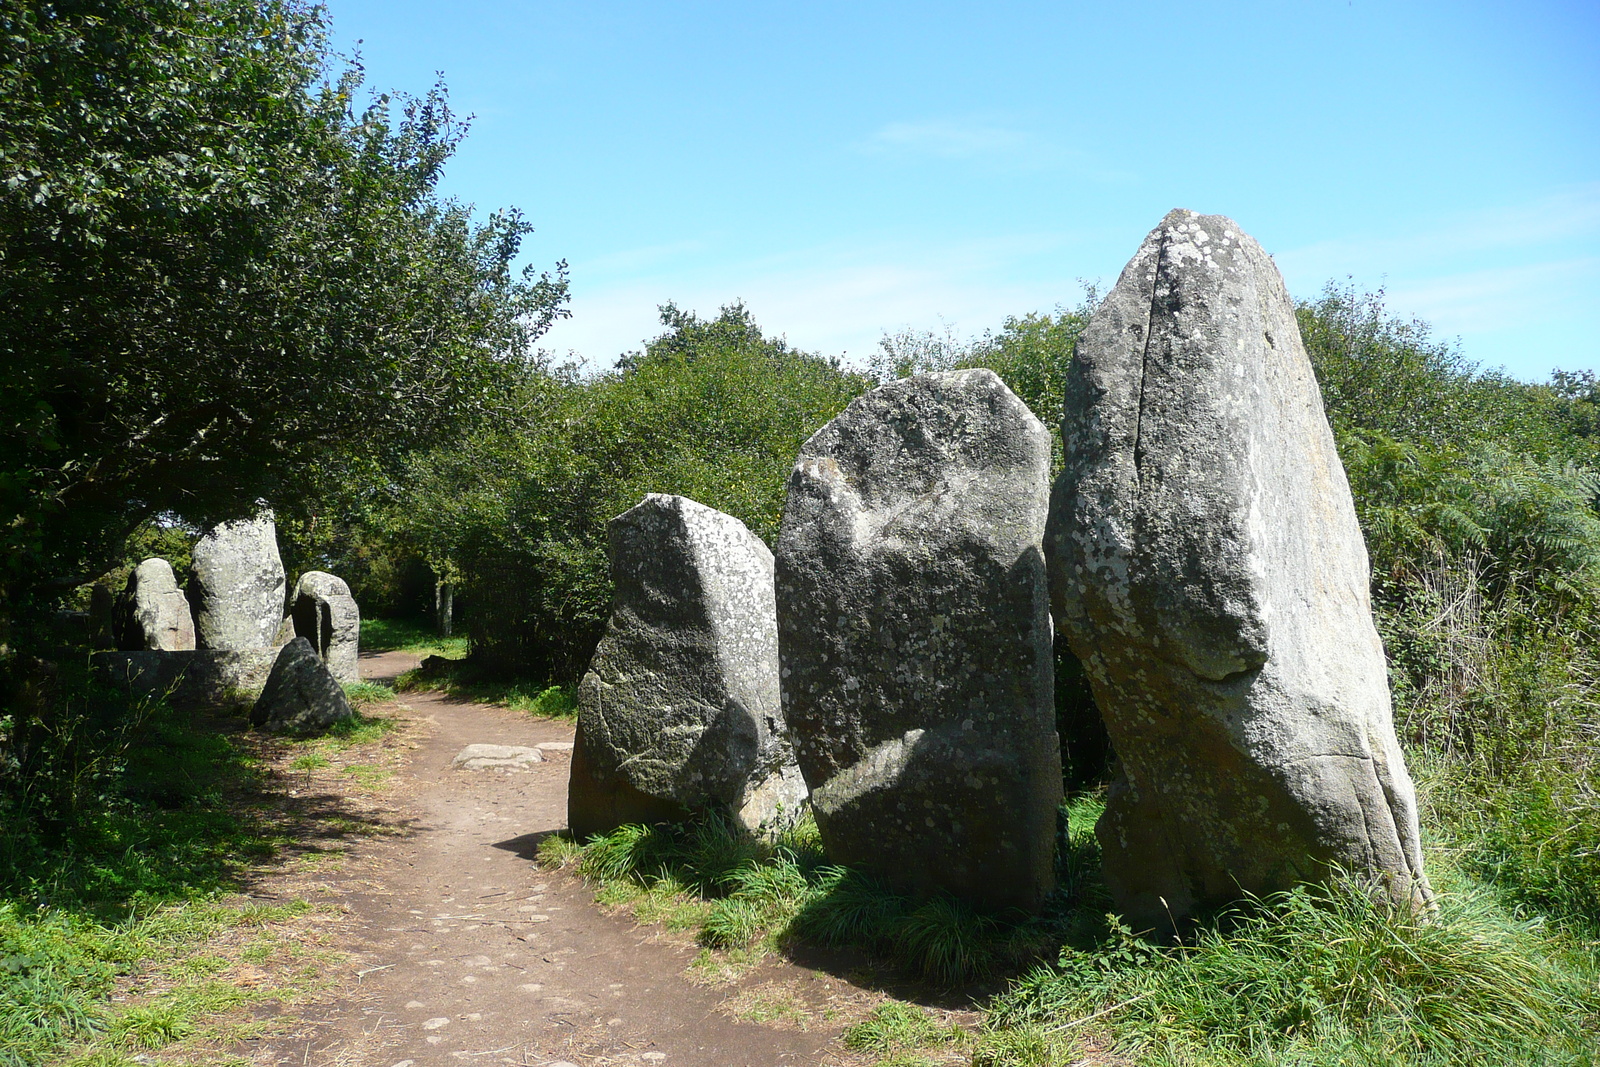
(189, 678)
(1208, 571)
(152, 613)
(325, 614)
(914, 626)
(237, 587)
(301, 695)
(679, 710)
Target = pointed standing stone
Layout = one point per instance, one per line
(237, 589)
(1208, 571)
(153, 614)
(679, 709)
(301, 696)
(914, 627)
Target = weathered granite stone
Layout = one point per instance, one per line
(237, 588)
(192, 678)
(325, 614)
(914, 627)
(496, 757)
(152, 613)
(301, 695)
(679, 710)
(1208, 570)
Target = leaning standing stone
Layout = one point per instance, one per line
(325, 614)
(914, 625)
(237, 589)
(153, 614)
(301, 695)
(1208, 570)
(679, 709)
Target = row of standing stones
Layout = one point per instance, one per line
(891, 665)
(238, 637)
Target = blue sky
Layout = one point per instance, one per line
(848, 169)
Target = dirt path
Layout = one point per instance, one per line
(461, 950)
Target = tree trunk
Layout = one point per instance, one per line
(444, 606)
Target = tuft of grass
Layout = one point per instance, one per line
(897, 1027)
(771, 1005)
(359, 729)
(551, 702)
(558, 852)
(364, 694)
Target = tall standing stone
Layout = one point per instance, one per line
(914, 626)
(679, 710)
(153, 614)
(238, 585)
(1208, 571)
(325, 614)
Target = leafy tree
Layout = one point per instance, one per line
(712, 410)
(222, 280)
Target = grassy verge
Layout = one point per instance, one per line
(744, 897)
(1318, 976)
(123, 929)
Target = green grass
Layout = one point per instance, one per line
(1317, 977)
(898, 1027)
(750, 896)
(404, 635)
(465, 681)
(365, 694)
(126, 867)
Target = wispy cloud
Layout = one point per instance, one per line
(1572, 214)
(991, 141)
(1515, 283)
(837, 299)
(952, 139)
(1499, 298)
(632, 260)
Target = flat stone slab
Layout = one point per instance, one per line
(554, 746)
(497, 757)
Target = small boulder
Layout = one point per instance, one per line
(679, 710)
(152, 613)
(1209, 572)
(301, 695)
(238, 585)
(496, 757)
(325, 614)
(914, 625)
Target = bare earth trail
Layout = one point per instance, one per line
(461, 950)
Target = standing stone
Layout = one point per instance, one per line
(301, 695)
(238, 585)
(153, 614)
(914, 626)
(1208, 570)
(679, 710)
(326, 615)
